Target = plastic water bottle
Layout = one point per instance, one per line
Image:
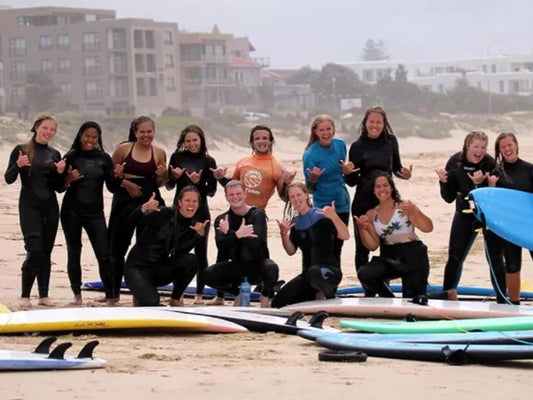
(245, 293)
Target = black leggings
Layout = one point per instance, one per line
(408, 261)
(143, 279)
(39, 228)
(96, 229)
(304, 287)
(227, 276)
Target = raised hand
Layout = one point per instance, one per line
(363, 222)
(408, 208)
(161, 170)
(288, 176)
(60, 166)
(443, 175)
(200, 227)
(219, 172)
(176, 172)
(406, 173)
(245, 231)
(348, 167)
(478, 177)
(151, 205)
(119, 170)
(194, 176)
(23, 160)
(73, 174)
(284, 226)
(315, 173)
(223, 225)
(328, 211)
(492, 179)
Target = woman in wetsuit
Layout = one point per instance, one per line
(191, 165)
(144, 171)
(464, 172)
(315, 232)
(511, 172)
(41, 171)
(88, 168)
(165, 236)
(391, 227)
(375, 151)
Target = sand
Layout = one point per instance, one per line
(257, 366)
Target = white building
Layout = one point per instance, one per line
(500, 74)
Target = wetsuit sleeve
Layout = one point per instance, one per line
(226, 243)
(396, 160)
(12, 170)
(354, 155)
(448, 189)
(211, 182)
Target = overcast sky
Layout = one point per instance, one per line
(294, 33)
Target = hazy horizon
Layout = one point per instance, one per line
(296, 33)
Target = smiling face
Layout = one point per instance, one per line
(261, 143)
(89, 139)
(374, 125)
(235, 196)
(192, 142)
(382, 188)
(324, 132)
(188, 204)
(476, 150)
(145, 133)
(46, 131)
(508, 149)
(299, 199)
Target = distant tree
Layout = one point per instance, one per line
(373, 51)
(401, 74)
(41, 91)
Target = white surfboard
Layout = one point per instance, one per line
(400, 308)
(111, 318)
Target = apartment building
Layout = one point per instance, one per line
(101, 64)
(503, 74)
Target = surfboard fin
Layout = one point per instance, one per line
(454, 357)
(87, 351)
(317, 319)
(44, 346)
(293, 318)
(59, 352)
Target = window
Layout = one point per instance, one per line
(502, 86)
(18, 70)
(168, 37)
(139, 63)
(149, 39)
(118, 63)
(90, 17)
(17, 47)
(170, 85)
(64, 65)
(169, 60)
(47, 66)
(368, 75)
(141, 88)
(45, 42)
(138, 39)
(119, 87)
(153, 87)
(493, 68)
(93, 90)
(150, 63)
(63, 41)
(91, 66)
(117, 39)
(91, 41)
(18, 94)
(484, 68)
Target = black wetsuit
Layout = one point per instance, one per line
(372, 156)
(207, 186)
(38, 213)
(464, 225)
(504, 254)
(83, 207)
(245, 257)
(123, 204)
(315, 235)
(161, 254)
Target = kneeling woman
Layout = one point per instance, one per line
(391, 226)
(165, 236)
(315, 232)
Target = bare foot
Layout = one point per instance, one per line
(198, 298)
(25, 303)
(45, 301)
(237, 301)
(320, 296)
(105, 299)
(217, 301)
(77, 300)
(264, 301)
(452, 294)
(176, 302)
(110, 302)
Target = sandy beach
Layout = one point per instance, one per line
(251, 365)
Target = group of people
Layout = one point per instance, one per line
(171, 242)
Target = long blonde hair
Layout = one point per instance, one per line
(29, 147)
(318, 119)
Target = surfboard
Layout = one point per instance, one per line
(261, 322)
(400, 308)
(111, 318)
(442, 326)
(451, 353)
(506, 212)
(501, 337)
(461, 291)
(189, 291)
(42, 359)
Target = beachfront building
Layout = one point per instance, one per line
(500, 74)
(288, 96)
(102, 65)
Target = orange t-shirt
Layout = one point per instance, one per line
(260, 175)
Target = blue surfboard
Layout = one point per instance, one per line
(506, 212)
